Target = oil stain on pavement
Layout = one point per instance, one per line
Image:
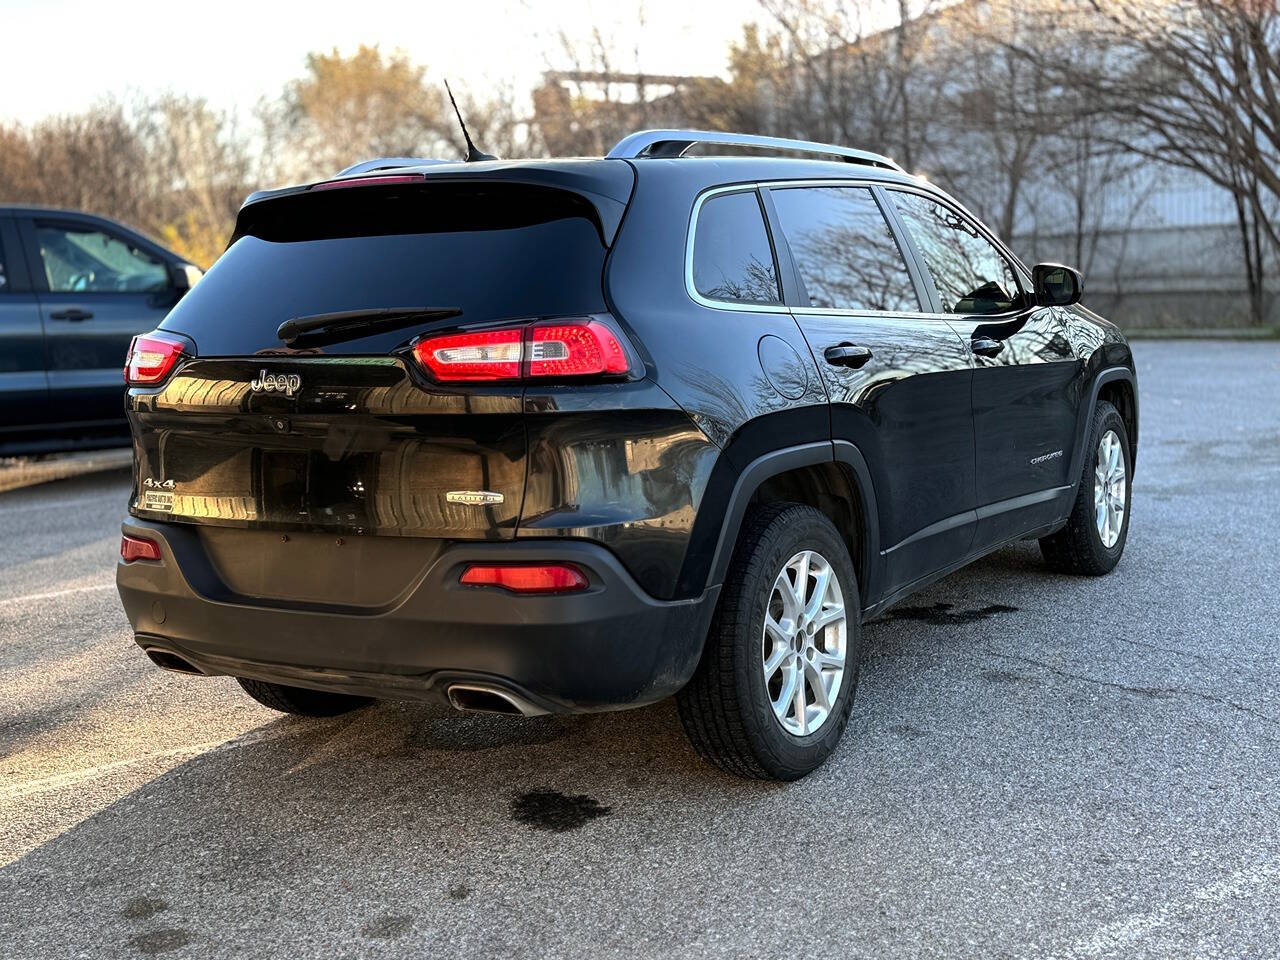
(554, 811)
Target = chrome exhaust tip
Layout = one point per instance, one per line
(171, 661)
(481, 698)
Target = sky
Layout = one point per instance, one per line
(58, 56)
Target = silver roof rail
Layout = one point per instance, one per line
(675, 143)
(387, 163)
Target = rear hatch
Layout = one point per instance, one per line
(342, 433)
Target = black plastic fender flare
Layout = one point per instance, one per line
(790, 458)
(1103, 377)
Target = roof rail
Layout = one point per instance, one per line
(387, 163)
(675, 143)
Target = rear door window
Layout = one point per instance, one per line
(969, 273)
(732, 256)
(843, 247)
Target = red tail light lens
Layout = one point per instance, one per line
(485, 355)
(369, 181)
(526, 578)
(138, 548)
(566, 348)
(575, 350)
(152, 357)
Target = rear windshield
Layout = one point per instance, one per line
(496, 251)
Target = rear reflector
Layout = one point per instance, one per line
(564, 348)
(138, 548)
(369, 181)
(526, 578)
(152, 357)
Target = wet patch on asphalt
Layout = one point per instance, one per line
(556, 812)
(141, 908)
(945, 614)
(387, 928)
(459, 891)
(158, 941)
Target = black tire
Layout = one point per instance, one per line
(726, 709)
(1078, 548)
(300, 700)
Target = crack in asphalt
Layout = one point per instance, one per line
(1154, 692)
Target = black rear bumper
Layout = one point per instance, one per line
(609, 647)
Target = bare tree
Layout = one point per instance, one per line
(1196, 85)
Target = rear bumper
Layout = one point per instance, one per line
(609, 647)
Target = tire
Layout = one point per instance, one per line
(727, 709)
(300, 700)
(1079, 548)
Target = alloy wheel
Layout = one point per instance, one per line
(803, 647)
(1109, 489)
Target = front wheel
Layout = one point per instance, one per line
(1093, 539)
(772, 693)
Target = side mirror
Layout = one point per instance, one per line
(1057, 285)
(185, 276)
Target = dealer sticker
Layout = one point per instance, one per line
(159, 500)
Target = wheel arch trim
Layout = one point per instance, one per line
(778, 462)
(1100, 380)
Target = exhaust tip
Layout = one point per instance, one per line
(171, 661)
(476, 698)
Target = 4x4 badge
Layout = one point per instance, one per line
(286, 383)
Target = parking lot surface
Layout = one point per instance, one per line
(1037, 765)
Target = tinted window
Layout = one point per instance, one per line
(4, 277)
(846, 254)
(970, 274)
(732, 258)
(496, 251)
(84, 260)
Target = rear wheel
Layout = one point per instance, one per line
(1093, 539)
(300, 700)
(772, 694)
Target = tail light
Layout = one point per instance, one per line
(138, 548)
(526, 577)
(152, 357)
(561, 348)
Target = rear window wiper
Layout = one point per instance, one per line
(321, 328)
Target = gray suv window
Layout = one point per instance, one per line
(969, 273)
(732, 256)
(844, 249)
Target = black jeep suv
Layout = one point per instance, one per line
(575, 435)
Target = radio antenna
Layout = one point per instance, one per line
(472, 153)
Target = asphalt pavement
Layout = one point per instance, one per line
(1037, 765)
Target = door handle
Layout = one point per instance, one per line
(986, 346)
(72, 315)
(847, 355)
